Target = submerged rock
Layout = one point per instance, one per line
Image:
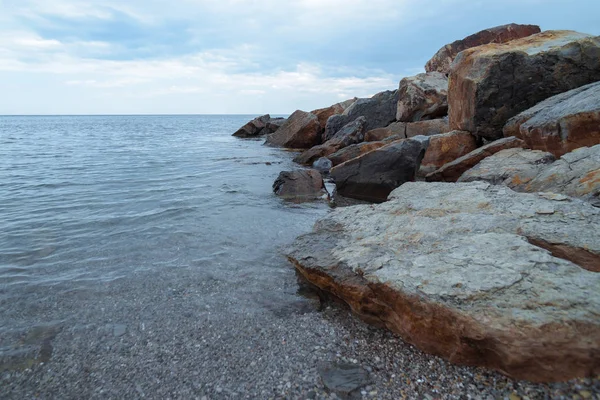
(490, 84)
(442, 60)
(561, 123)
(372, 176)
(301, 185)
(466, 271)
(422, 97)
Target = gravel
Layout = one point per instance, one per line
(182, 333)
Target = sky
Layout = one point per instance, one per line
(236, 56)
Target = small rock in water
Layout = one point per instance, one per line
(343, 378)
(323, 164)
(119, 330)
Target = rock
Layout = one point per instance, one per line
(512, 167)
(343, 379)
(378, 134)
(323, 164)
(323, 114)
(353, 151)
(351, 133)
(453, 170)
(575, 174)
(445, 148)
(490, 84)
(300, 131)
(301, 185)
(273, 125)
(253, 128)
(379, 110)
(427, 128)
(323, 150)
(372, 176)
(561, 123)
(442, 60)
(456, 270)
(119, 330)
(422, 97)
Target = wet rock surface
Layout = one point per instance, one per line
(442, 60)
(490, 84)
(451, 268)
(561, 123)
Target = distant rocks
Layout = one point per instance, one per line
(372, 176)
(301, 131)
(259, 126)
(422, 97)
(477, 274)
(442, 60)
(561, 123)
(300, 185)
(490, 84)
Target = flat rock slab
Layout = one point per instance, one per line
(561, 123)
(442, 60)
(455, 270)
(343, 379)
(490, 84)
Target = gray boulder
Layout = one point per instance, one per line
(474, 273)
(422, 97)
(490, 84)
(299, 186)
(323, 164)
(372, 176)
(254, 128)
(379, 111)
(561, 123)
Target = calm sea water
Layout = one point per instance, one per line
(89, 200)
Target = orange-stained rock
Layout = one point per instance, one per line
(561, 123)
(300, 131)
(323, 114)
(445, 148)
(395, 128)
(353, 151)
(453, 170)
(422, 97)
(427, 128)
(500, 34)
(490, 84)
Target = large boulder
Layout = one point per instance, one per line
(323, 114)
(561, 123)
(469, 272)
(490, 84)
(372, 176)
(378, 134)
(427, 128)
(301, 131)
(514, 168)
(301, 185)
(442, 60)
(379, 110)
(451, 171)
(351, 133)
(353, 151)
(254, 128)
(445, 148)
(422, 97)
(311, 155)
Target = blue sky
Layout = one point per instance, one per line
(236, 56)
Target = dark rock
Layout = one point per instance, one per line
(427, 128)
(323, 164)
(561, 123)
(442, 60)
(351, 133)
(379, 111)
(451, 171)
(353, 151)
(301, 185)
(311, 155)
(490, 84)
(323, 114)
(254, 128)
(379, 134)
(343, 379)
(422, 97)
(374, 175)
(300, 131)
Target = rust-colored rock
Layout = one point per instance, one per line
(300, 131)
(453, 170)
(353, 151)
(490, 84)
(422, 97)
(427, 128)
(561, 123)
(299, 186)
(379, 134)
(445, 148)
(311, 155)
(323, 114)
(442, 60)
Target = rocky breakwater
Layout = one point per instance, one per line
(459, 271)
